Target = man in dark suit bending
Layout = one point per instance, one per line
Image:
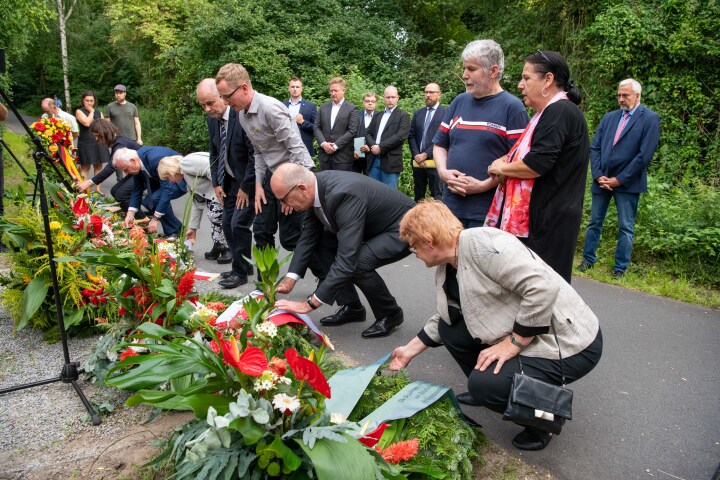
(335, 129)
(353, 232)
(385, 137)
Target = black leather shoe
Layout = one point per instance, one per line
(226, 274)
(214, 253)
(384, 326)
(344, 315)
(225, 257)
(233, 281)
(532, 439)
(618, 274)
(584, 266)
(466, 398)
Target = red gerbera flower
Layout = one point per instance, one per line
(308, 371)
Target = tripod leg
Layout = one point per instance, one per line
(93, 415)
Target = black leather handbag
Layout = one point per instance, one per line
(539, 404)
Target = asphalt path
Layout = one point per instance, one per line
(650, 409)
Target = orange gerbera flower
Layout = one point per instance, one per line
(400, 451)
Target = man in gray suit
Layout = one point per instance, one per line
(335, 129)
(353, 232)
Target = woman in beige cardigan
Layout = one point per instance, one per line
(495, 300)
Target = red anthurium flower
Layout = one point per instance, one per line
(251, 362)
(371, 439)
(308, 371)
(214, 346)
(80, 207)
(96, 224)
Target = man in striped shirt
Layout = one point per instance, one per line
(478, 127)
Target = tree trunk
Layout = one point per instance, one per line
(62, 18)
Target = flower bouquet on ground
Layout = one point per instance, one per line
(260, 408)
(83, 288)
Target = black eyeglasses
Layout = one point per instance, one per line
(227, 97)
(282, 200)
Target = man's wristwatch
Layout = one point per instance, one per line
(309, 302)
(515, 342)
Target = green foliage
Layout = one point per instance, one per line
(447, 443)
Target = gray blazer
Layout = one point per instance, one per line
(503, 284)
(195, 167)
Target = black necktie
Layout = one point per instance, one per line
(222, 159)
(428, 120)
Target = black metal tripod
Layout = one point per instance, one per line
(71, 371)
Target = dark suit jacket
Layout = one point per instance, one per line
(416, 130)
(240, 156)
(629, 158)
(307, 129)
(150, 157)
(394, 135)
(342, 134)
(362, 212)
(362, 131)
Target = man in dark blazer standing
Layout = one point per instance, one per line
(303, 112)
(365, 117)
(335, 129)
(354, 231)
(142, 164)
(424, 125)
(232, 168)
(388, 131)
(621, 150)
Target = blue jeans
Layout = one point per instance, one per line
(389, 179)
(627, 206)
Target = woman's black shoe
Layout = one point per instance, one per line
(216, 251)
(532, 439)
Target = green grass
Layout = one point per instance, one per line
(653, 277)
(13, 174)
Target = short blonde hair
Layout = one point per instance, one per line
(430, 220)
(234, 75)
(337, 81)
(169, 167)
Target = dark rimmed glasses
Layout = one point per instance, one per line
(282, 200)
(227, 97)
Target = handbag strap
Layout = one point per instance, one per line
(552, 325)
(562, 370)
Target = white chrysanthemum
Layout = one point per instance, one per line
(263, 384)
(285, 402)
(267, 328)
(284, 380)
(337, 418)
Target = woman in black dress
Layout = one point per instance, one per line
(90, 153)
(540, 199)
